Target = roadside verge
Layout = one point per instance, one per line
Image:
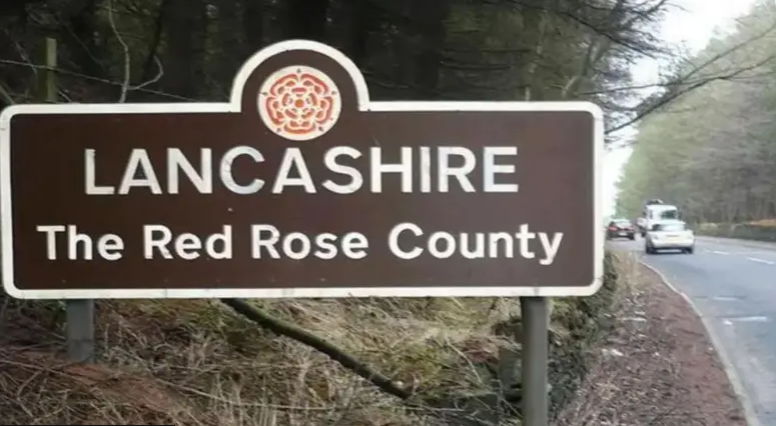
(656, 367)
(724, 359)
(758, 231)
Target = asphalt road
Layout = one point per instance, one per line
(732, 283)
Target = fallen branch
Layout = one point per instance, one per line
(284, 328)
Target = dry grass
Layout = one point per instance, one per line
(600, 388)
(768, 223)
(708, 227)
(196, 362)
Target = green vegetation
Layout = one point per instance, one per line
(713, 151)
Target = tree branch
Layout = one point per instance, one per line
(664, 100)
(289, 330)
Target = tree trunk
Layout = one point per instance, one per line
(186, 36)
(430, 18)
(306, 19)
(81, 40)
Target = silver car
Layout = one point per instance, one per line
(669, 235)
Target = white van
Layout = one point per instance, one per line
(655, 213)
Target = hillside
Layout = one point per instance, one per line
(197, 362)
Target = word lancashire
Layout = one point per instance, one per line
(423, 169)
(405, 241)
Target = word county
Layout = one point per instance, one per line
(405, 241)
(346, 170)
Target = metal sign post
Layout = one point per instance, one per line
(535, 315)
(80, 312)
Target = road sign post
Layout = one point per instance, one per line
(79, 323)
(301, 186)
(535, 315)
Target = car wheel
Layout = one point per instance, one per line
(691, 250)
(632, 237)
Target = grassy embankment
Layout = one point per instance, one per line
(200, 363)
(761, 230)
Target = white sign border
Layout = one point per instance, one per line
(234, 106)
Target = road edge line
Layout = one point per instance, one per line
(765, 245)
(735, 382)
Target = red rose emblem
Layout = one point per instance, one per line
(300, 104)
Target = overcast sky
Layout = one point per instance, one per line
(692, 27)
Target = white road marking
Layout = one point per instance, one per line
(767, 262)
(725, 298)
(724, 253)
(730, 321)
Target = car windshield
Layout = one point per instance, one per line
(669, 214)
(622, 222)
(669, 227)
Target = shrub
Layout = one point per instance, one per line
(761, 230)
(583, 318)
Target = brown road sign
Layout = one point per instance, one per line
(301, 186)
